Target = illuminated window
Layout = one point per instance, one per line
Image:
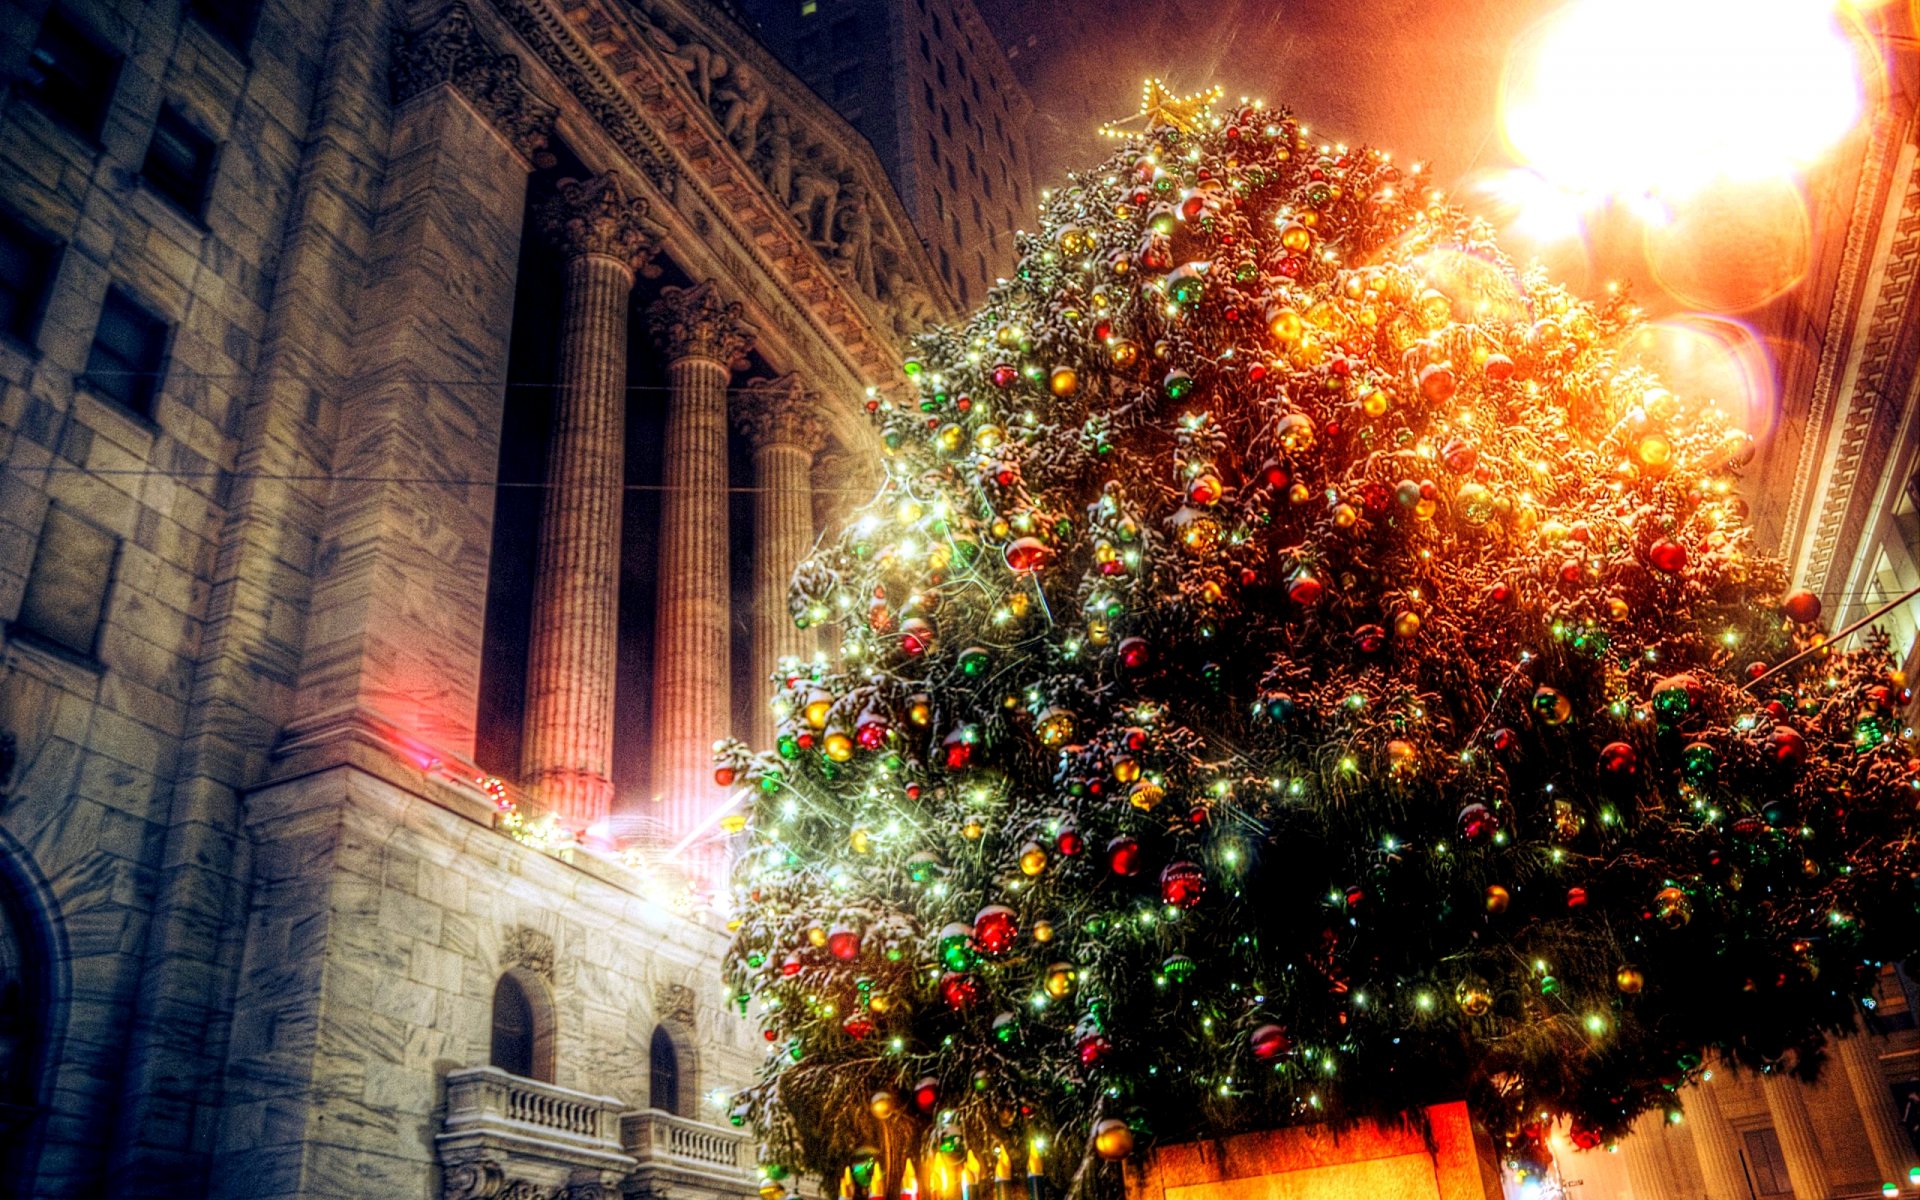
(809, 7)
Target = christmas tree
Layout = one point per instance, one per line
(1298, 668)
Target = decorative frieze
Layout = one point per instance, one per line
(530, 949)
(451, 51)
(697, 322)
(597, 216)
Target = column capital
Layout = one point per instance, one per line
(779, 412)
(450, 50)
(696, 322)
(597, 216)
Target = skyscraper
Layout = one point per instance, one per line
(929, 86)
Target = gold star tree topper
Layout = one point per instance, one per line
(1160, 107)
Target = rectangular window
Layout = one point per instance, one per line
(973, 165)
(929, 88)
(70, 76)
(938, 31)
(129, 353)
(179, 162)
(952, 180)
(946, 122)
(946, 265)
(846, 85)
(27, 263)
(1765, 1162)
(940, 71)
(67, 584)
(231, 21)
(809, 7)
(926, 50)
(933, 146)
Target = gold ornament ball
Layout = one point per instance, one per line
(861, 841)
(838, 746)
(1629, 980)
(1064, 381)
(1473, 997)
(1033, 859)
(1617, 608)
(1402, 755)
(1146, 795)
(883, 1105)
(1112, 1140)
(920, 711)
(1124, 353)
(1019, 603)
(1297, 238)
(1406, 624)
(973, 830)
(1374, 404)
(1007, 336)
(880, 1002)
(772, 1189)
(1499, 899)
(817, 936)
(1059, 981)
(1295, 433)
(1043, 931)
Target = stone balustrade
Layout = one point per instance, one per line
(657, 1137)
(495, 1115)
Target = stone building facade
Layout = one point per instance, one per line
(267, 270)
(295, 295)
(929, 85)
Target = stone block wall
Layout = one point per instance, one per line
(381, 924)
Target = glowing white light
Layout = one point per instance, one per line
(1661, 97)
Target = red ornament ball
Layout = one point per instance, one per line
(1070, 842)
(995, 928)
(723, 776)
(1269, 1042)
(1618, 760)
(1027, 554)
(844, 943)
(1123, 855)
(1183, 884)
(1478, 824)
(926, 1094)
(1005, 375)
(1802, 606)
(1576, 897)
(1092, 1047)
(1134, 653)
(857, 1026)
(959, 990)
(1668, 555)
(1787, 748)
(1305, 590)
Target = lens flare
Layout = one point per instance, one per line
(1732, 247)
(1710, 361)
(1631, 98)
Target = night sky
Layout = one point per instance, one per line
(1416, 77)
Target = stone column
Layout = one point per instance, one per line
(1787, 1105)
(781, 420)
(1641, 1150)
(394, 622)
(1892, 1150)
(1714, 1142)
(567, 752)
(701, 336)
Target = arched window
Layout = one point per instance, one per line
(522, 1029)
(26, 1000)
(663, 1075)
